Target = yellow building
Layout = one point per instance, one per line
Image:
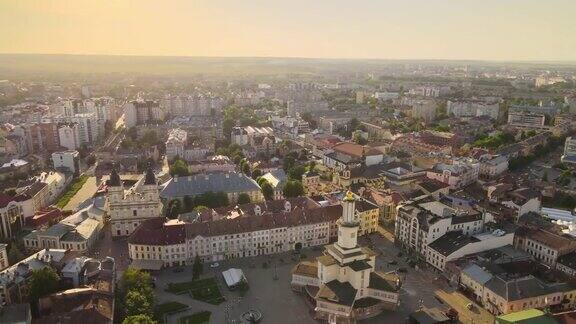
(367, 214)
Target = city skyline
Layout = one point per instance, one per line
(412, 30)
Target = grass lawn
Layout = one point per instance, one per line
(196, 318)
(167, 308)
(71, 191)
(205, 290)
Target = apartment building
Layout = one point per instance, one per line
(546, 247)
(422, 221)
(176, 143)
(473, 108)
(526, 119)
(460, 173)
(569, 155)
(491, 166)
(11, 216)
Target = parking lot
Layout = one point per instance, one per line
(270, 291)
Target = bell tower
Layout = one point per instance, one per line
(348, 224)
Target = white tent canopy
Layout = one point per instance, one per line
(233, 276)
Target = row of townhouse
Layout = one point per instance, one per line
(501, 291)
(157, 243)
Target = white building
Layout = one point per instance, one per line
(128, 208)
(348, 286)
(424, 109)
(421, 222)
(11, 217)
(68, 160)
(176, 143)
(526, 119)
(473, 108)
(460, 173)
(90, 128)
(492, 166)
(454, 245)
(69, 135)
(77, 232)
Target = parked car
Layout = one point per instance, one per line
(215, 265)
(469, 306)
(452, 314)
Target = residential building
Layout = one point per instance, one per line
(11, 216)
(421, 222)
(526, 119)
(157, 243)
(491, 166)
(68, 161)
(77, 232)
(69, 136)
(460, 173)
(455, 244)
(176, 143)
(129, 207)
(569, 155)
(92, 302)
(424, 110)
(567, 264)
(231, 183)
(140, 112)
(4, 263)
(473, 108)
(277, 179)
(89, 128)
(14, 280)
(544, 246)
(43, 189)
(344, 282)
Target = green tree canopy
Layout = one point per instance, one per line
(256, 173)
(179, 168)
(43, 282)
(293, 188)
(243, 198)
(267, 190)
(139, 319)
(137, 303)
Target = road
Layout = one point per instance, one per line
(86, 192)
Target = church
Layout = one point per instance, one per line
(343, 285)
(129, 207)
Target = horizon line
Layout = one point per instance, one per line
(297, 57)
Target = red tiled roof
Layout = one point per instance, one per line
(156, 232)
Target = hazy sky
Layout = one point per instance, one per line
(394, 29)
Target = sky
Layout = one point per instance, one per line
(509, 30)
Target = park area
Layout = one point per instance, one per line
(205, 290)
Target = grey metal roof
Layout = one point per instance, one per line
(227, 182)
(477, 274)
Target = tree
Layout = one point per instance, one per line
(243, 198)
(179, 168)
(245, 166)
(174, 208)
(293, 188)
(197, 267)
(200, 208)
(267, 190)
(137, 303)
(14, 254)
(256, 173)
(44, 282)
(188, 203)
(139, 319)
(296, 172)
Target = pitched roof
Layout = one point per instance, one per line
(227, 182)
